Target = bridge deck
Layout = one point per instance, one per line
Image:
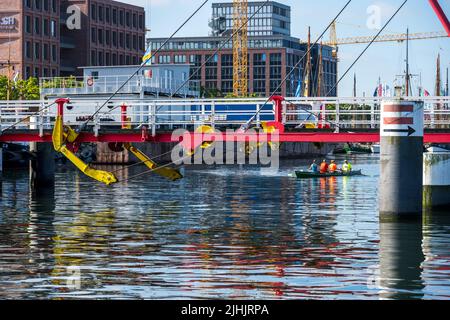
(136, 136)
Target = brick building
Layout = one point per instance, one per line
(273, 53)
(36, 40)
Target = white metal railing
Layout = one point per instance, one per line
(110, 84)
(156, 114)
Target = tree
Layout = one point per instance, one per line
(19, 90)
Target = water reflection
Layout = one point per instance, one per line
(222, 232)
(401, 259)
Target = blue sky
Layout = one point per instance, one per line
(384, 60)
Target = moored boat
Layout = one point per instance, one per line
(309, 174)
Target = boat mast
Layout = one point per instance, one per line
(307, 77)
(407, 64)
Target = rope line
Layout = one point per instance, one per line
(246, 126)
(223, 44)
(83, 126)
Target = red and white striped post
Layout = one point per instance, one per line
(401, 180)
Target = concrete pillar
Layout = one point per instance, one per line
(42, 167)
(1, 168)
(436, 178)
(401, 257)
(401, 187)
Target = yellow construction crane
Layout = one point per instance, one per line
(240, 48)
(334, 41)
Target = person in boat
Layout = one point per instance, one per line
(333, 167)
(324, 167)
(347, 167)
(314, 167)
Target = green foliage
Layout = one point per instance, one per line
(68, 82)
(19, 90)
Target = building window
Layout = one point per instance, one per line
(28, 4)
(27, 72)
(45, 52)
(45, 27)
(114, 16)
(179, 59)
(114, 38)
(46, 7)
(54, 53)
(121, 17)
(135, 24)
(93, 58)
(107, 59)
(108, 15)
(128, 19)
(141, 22)
(53, 28)
(100, 36)
(93, 12)
(128, 41)
(94, 35)
(114, 59)
(121, 40)
(54, 8)
(135, 42)
(164, 59)
(108, 37)
(100, 13)
(37, 51)
(36, 72)
(141, 43)
(121, 60)
(27, 24)
(38, 4)
(28, 49)
(100, 59)
(37, 25)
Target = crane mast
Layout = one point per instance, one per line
(240, 48)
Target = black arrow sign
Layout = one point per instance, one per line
(409, 131)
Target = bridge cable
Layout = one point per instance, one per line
(356, 60)
(83, 126)
(224, 43)
(246, 126)
(28, 117)
(211, 56)
(142, 162)
(260, 109)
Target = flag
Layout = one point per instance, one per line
(380, 90)
(426, 93)
(386, 90)
(147, 58)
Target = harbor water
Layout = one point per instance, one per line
(224, 232)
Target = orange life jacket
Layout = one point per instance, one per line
(324, 167)
(333, 167)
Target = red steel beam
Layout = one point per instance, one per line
(323, 137)
(441, 15)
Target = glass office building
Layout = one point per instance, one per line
(273, 18)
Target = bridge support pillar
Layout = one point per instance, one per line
(401, 180)
(436, 178)
(1, 167)
(42, 167)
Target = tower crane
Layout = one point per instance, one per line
(400, 37)
(240, 48)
